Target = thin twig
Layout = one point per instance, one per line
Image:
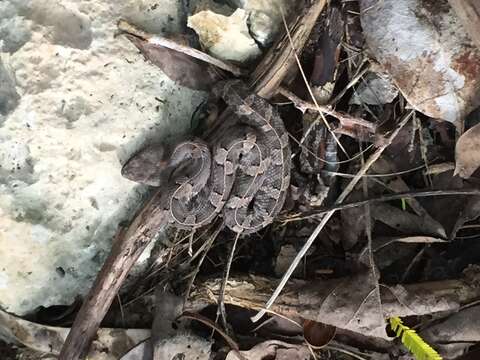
(352, 354)
(345, 119)
(440, 168)
(312, 352)
(179, 252)
(371, 260)
(206, 248)
(351, 185)
(422, 326)
(205, 245)
(423, 150)
(415, 260)
(323, 160)
(396, 173)
(206, 321)
(190, 243)
(383, 198)
(297, 59)
(122, 312)
(355, 79)
(254, 330)
(173, 45)
(221, 303)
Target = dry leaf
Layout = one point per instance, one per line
(426, 50)
(471, 355)
(387, 165)
(349, 303)
(353, 224)
(455, 334)
(181, 68)
(352, 304)
(470, 212)
(446, 209)
(273, 349)
(317, 334)
(407, 222)
(110, 344)
(141, 351)
(467, 152)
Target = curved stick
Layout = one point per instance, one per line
(127, 248)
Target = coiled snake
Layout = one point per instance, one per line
(243, 175)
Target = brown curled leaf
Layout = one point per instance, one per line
(467, 152)
(181, 68)
(317, 334)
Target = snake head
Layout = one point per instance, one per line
(147, 166)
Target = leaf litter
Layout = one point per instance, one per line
(376, 223)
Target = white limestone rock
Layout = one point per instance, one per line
(265, 17)
(8, 94)
(86, 101)
(225, 37)
(238, 33)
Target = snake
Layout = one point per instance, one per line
(242, 173)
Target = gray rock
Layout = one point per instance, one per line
(9, 97)
(375, 89)
(225, 37)
(88, 101)
(265, 17)
(14, 28)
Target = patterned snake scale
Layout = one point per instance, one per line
(244, 176)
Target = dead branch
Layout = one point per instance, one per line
(346, 120)
(279, 60)
(307, 299)
(126, 249)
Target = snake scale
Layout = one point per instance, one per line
(242, 174)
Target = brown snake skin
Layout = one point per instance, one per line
(244, 177)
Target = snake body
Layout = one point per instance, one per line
(244, 173)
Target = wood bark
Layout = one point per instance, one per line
(126, 249)
(306, 299)
(280, 58)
